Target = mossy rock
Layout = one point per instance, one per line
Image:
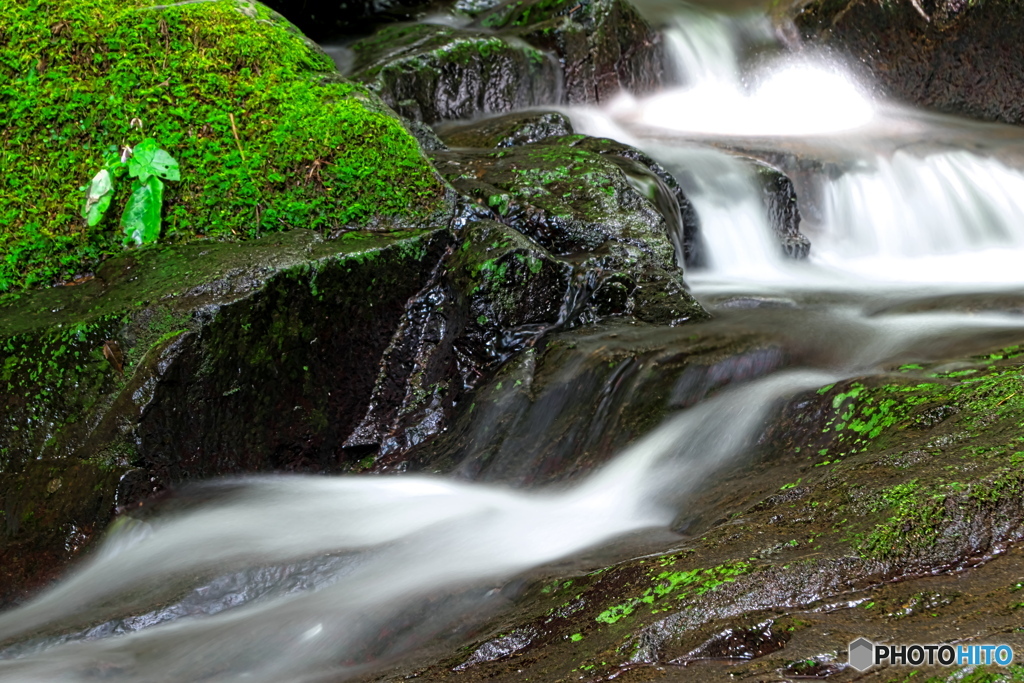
(605, 212)
(956, 57)
(514, 55)
(862, 491)
(267, 135)
(157, 372)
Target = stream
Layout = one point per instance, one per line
(917, 232)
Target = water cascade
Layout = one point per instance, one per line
(302, 575)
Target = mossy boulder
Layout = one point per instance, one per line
(599, 211)
(956, 57)
(267, 135)
(513, 55)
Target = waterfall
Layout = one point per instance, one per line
(882, 209)
(297, 578)
(705, 47)
(727, 198)
(905, 216)
(393, 545)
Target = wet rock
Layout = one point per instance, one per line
(509, 130)
(747, 642)
(514, 55)
(579, 205)
(592, 392)
(833, 534)
(429, 72)
(201, 331)
(779, 198)
(663, 189)
(495, 293)
(955, 57)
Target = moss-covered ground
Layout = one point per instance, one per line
(267, 135)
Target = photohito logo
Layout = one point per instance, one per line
(864, 654)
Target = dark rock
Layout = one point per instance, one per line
(200, 332)
(580, 205)
(325, 20)
(509, 130)
(513, 56)
(590, 392)
(956, 57)
(495, 293)
(779, 198)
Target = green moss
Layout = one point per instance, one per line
(59, 381)
(267, 137)
(915, 515)
(677, 584)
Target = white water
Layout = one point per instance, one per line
(347, 558)
(899, 200)
(408, 537)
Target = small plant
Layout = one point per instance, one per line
(147, 164)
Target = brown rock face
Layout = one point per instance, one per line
(955, 56)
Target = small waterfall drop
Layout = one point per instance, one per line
(906, 213)
(404, 542)
(706, 47)
(734, 224)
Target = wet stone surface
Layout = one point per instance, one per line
(511, 55)
(956, 57)
(880, 507)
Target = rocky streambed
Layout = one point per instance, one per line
(398, 271)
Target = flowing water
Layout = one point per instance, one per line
(280, 579)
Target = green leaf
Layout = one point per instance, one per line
(141, 217)
(97, 197)
(148, 160)
(165, 166)
(141, 162)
